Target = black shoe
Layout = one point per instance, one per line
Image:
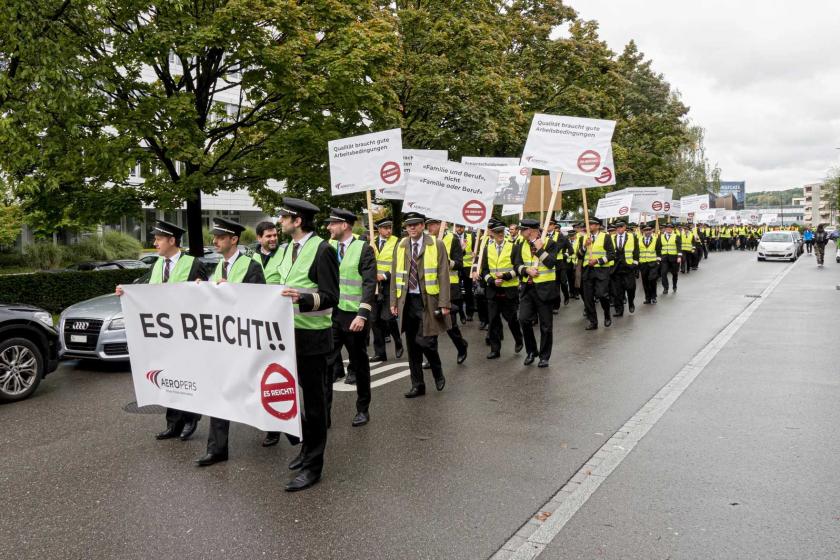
(653, 301)
(665, 291)
(675, 289)
(565, 301)
(543, 363)
(296, 463)
(379, 359)
(271, 438)
(169, 433)
(387, 340)
(469, 318)
(529, 359)
(555, 312)
(463, 355)
(482, 326)
(351, 379)
(211, 459)
(426, 364)
(415, 392)
(646, 302)
(189, 430)
(519, 346)
(618, 314)
(440, 383)
(493, 355)
(302, 481)
(607, 322)
(591, 326)
(399, 352)
(632, 308)
(361, 419)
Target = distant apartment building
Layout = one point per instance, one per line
(819, 208)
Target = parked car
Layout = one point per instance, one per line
(779, 245)
(109, 265)
(28, 350)
(94, 329)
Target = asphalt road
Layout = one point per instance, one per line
(455, 474)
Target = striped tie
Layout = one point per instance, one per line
(413, 279)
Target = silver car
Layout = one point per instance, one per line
(94, 329)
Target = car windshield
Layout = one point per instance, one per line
(777, 237)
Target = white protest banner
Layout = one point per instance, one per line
(572, 182)
(767, 219)
(614, 206)
(704, 216)
(366, 162)
(397, 192)
(224, 350)
(675, 209)
(728, 217)
(454, 192)
(511, 209)
(648, 200)
(568, 144)
(513, 178)
(749, 216)
(694, 203)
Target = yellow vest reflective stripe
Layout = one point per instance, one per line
(688, 242)
(597, 251)
(501, 262)
(669, 246)
(447, 242)
(544, 274)
(428, 270)
(349, 279)
(385, 257)
(647, 253)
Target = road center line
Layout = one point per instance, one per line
(547, 522)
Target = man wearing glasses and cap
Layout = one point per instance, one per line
(236, 268)
(308, 268)
(350, 319)
(173, 266)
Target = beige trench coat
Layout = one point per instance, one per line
(432, 326)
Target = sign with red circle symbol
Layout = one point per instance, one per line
(667, 206)
(278, 392)
(623, 211)
(523, 171)
(704, 206)
(656, 206)
(390, 172)
(589, 161)
(474, 211)
(605, 176)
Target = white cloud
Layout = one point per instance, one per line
(763, 78)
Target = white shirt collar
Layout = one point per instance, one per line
(303, 240)
(232, 259)
(173, 260)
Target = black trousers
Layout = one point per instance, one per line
(669, 265)
(217, 436)
(685, 265)
(355, 342)
(469, 296)
(623, 283)
(177, 418)
(561, 273)
(481, 308)
(532, 310)
(417, 344)
(649, 272)
(383, 327)
(312, 370)
(498, 309)
(595, 284)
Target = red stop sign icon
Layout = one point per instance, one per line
(704, 206)
(605, 176)
(390, 172)
(279, 394)
(589, 161)
(474, 211)
(656, 205)
(667, 206)
(623, 210)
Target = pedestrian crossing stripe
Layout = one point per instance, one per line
(376, 369)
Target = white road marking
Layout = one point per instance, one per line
(549, 520)
(341, 386)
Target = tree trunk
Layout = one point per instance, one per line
(194, 230)
(396, 217)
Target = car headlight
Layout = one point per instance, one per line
(117, 323)
(45, 318)
(790, 247)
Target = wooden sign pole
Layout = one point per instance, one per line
(442, 229)
(542, 196)
(585, 210)
(551, 203)
(483, 244)
(371, 239)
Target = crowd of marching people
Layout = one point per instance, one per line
(407, 291)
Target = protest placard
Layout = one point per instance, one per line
(397, 192)
(513, 178)
(568, 144)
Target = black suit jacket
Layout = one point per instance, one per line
(620, 260)
(546, 291)
(255, 274)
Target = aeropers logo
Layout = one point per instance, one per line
(532, 159)
(169, 384)
(415, 206)
(340, 186)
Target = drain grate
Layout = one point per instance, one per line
(132, 408)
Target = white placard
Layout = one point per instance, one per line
(398, 192)
(675, 209)
(767, 219)
(704, 216)
(511, 209)
(572, 182)
(614, 206)
(694, 203)
(513, 178)
(568, 144)
(455, 192)
(647, 200)
(224, 350)
(367, 162)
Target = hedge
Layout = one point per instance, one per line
(55, 291)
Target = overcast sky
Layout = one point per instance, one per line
(763, 78)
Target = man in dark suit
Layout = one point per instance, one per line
(236, 268)
(650, 255)
(671, 251)
(385, 324)
(173, 266)
(308, 268)
(351, 317)
(623, 279)
(535, 261)
(502, 289)
(596, 254)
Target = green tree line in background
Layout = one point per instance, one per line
(224, 95)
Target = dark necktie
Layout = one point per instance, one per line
(620, 241)
(340, 252)
(166, 266)
(295, 248)
(381, 243)
(592, 237)
(224, 269)
(413, 280)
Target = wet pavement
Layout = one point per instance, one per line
(455, 474)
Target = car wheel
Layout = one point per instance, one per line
(21, 369)
(759, 259)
